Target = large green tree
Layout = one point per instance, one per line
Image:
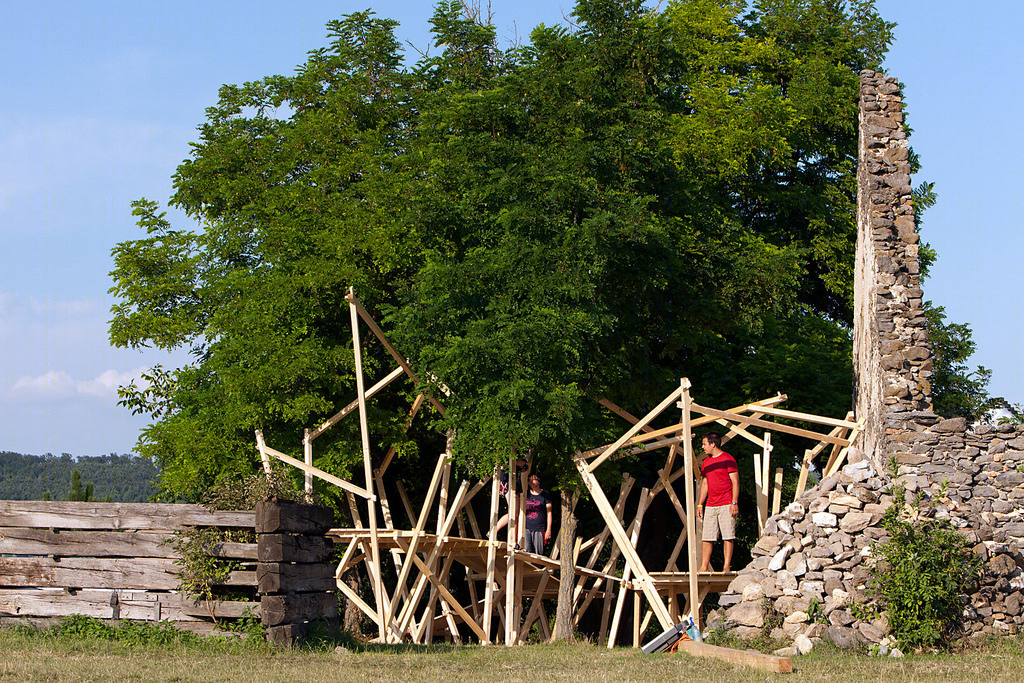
(650, 194)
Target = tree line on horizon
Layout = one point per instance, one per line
(114, 478)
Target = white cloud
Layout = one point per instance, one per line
(53, 384)
(107, 383)
(63, 307)
(58, 384)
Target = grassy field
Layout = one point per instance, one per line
(33, 657)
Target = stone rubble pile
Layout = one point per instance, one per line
(810, 576)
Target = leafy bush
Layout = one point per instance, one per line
(921, 572)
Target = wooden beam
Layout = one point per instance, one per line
(421, 522)
(316, 472)
(624, 414)
(668, 400)
(375, 328)
(755, 660)
(808, 417)
(334, 419)
(619, 534)
(772, 426)
(490, 585)
(691, 501)
(777, 493)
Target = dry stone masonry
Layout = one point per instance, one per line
(810, 573)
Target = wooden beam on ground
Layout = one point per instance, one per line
(374, 390)
(755, 660)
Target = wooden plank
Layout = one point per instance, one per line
(123, 516)
(135, 605)
(307, 457)
(674, 429)
(624, 414)
(421, 522)
(319, 473)
(658, 410)
(293, 548)
(808, 417)
(282, 577)
(449, 598)
(375, 389)
(490, 585)
(638, 520)
(750, 658)
(805, 469)
(22, 541)
(144, 573)
(295, 607)
(771, 426)
(379, 333)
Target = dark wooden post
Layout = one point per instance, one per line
(295, 575)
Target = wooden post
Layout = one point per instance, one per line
(511, 624)
(364, 436)
(490, 586)
(623, 588)
(307, 456)
(262, 446)
(777, 494)
(691, 502)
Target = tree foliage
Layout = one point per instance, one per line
(647, 195)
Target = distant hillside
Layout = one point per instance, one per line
(124, 478)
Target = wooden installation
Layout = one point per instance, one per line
(447, 575)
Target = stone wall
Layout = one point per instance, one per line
(810, 569)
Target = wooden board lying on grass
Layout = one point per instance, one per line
(138, 605)
(756, 660)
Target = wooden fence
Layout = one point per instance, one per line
(115, 561)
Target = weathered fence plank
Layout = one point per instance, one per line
(76, 515)
(30, 541)
(142, 606)
(293, 548)
(144, 573)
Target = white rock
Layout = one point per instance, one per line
(753, 591)
(803, 644)
(795, 511)
(779, 561)
(824, 519)
(798, 618)
(785, 526)
(785, 580)
(895, 652)
(840, 597)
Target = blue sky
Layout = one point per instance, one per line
(101, 100)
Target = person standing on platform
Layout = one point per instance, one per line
(720, 490)
(538, 517)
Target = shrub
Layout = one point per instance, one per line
(921, 572)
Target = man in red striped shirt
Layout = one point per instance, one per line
(720, 489)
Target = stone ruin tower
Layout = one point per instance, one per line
(818, 551)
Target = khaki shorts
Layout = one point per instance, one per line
(719, 519)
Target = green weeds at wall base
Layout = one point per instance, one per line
(921, 572)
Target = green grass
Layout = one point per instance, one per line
(33, 656)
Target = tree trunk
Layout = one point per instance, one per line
(567, 575)
(353, 615)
